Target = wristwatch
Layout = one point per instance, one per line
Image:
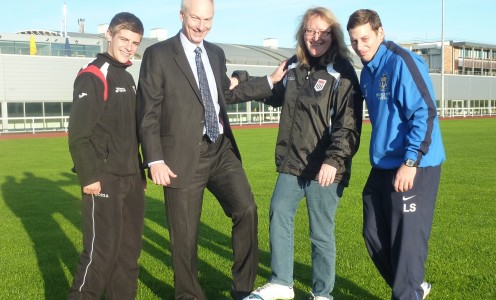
(410, 163)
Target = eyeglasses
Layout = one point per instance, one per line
(318, 33)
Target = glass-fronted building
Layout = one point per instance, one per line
(36, 86)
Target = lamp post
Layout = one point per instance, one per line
(442, 60)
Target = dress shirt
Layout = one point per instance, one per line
(189, 49)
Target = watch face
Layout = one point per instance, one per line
(410, 162)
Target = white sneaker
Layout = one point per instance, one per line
(426, 287)
(272, 291)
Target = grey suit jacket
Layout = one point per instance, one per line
(170, 112)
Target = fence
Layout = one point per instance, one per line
(49, 124)
(33, 124)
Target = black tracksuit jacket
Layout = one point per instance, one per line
(102, 126)
(320, 121)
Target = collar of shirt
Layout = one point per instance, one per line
(189, 50)
(189, 47)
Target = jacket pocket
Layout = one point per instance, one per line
(101, 145)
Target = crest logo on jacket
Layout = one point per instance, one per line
(319, 86)
(120, 90)
(383, 85)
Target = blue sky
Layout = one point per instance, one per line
(249, 22)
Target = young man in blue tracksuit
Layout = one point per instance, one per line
(406, 152)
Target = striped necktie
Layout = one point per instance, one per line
(211, 122)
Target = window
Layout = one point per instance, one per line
(77, 50)
(58, 49)
(43, 49)
(6, 47)
(241, 107)
(66, 109)
(15, 110)
(53, 109)
(34, 109)
(255, 106)
(91, 51)
(468, 53)
(270, 108)
(21, 48)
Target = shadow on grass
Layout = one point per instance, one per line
(35, 201)
(303, 274)
(214, 281)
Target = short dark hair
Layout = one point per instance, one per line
(128, 21)
(364, 16)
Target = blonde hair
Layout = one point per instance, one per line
(338, 48)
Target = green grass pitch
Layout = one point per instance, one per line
(40, 236)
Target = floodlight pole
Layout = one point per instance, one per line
(442, 60)
(64, 11)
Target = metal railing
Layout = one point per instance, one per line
(33, 124)
(50, 124)
(250, 118)
(455, 112)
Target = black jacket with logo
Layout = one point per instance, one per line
(102, 124)
(320, 121)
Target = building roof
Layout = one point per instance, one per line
(473, 45)
(438, 44)
(40, 32)
(235, 53)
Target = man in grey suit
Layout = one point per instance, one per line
(186, 155)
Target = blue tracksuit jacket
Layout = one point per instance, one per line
(402, 109)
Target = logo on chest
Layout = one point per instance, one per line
(384, 92)
(120, 90)
(319, 86)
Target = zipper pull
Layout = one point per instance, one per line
(308, 74)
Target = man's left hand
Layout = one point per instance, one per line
(404, 178)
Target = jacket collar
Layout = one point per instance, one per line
(375, 63)
(112, 61)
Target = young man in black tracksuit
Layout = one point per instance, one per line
(104, 147)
